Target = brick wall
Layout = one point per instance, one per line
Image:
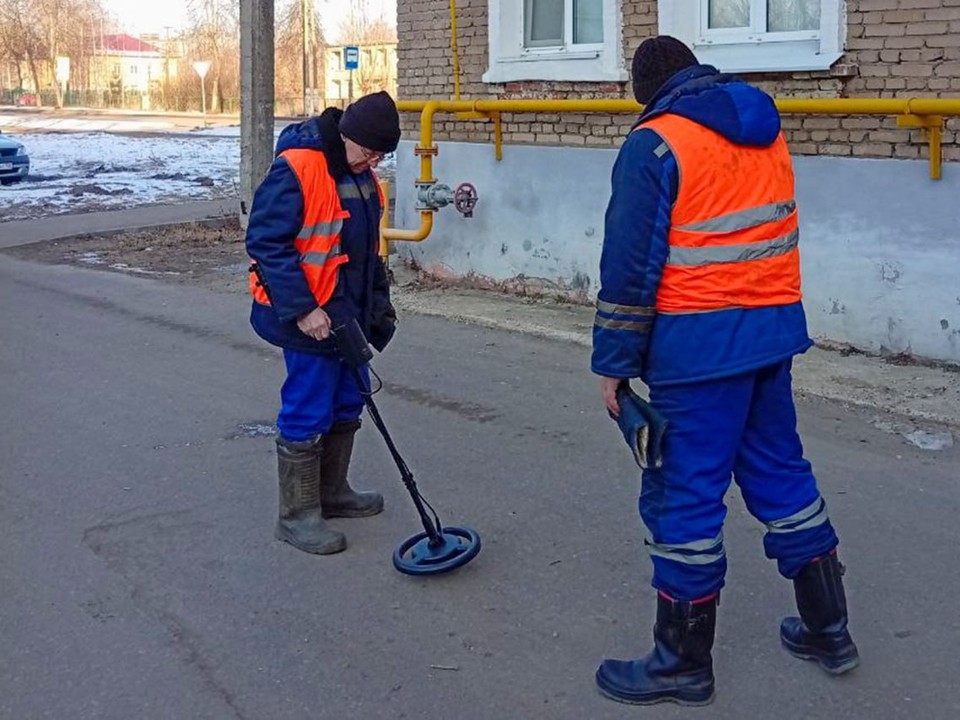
(896, 48)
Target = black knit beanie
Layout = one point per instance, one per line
(657, 60)
(373, 122)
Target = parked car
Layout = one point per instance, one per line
(14, 161)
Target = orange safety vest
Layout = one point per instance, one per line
(733, 228)
(319, 239)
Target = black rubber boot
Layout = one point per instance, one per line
(679, 668)
(300, 522)
(820, 633)
(337, 498)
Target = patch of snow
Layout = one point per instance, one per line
(46, 123)
(255, 430)
(923, 438)
(930, 440)
(80, 172)
(140, 271)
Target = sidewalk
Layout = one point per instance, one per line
(24, 232)
(909, 399)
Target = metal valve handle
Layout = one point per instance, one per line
(465, 199)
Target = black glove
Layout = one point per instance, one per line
(382, 326)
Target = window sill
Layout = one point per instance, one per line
(759, 57)
(589, 66)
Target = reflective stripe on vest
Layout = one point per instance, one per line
(734, 232)
(354, 191)
(324, 228)
(318, 241)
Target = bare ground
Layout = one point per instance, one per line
(210, 255)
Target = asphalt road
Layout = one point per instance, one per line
(139, 577)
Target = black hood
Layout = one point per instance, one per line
(319, 133)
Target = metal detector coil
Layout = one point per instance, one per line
(438, 549)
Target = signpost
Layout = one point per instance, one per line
(201, 67)
(63, 77)
(351, 62)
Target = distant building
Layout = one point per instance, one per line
(122, 64)
(113, 70)
(377, 71)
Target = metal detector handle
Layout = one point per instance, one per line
(352, 344)
(355, 353)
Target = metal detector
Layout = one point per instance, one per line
(438, 549)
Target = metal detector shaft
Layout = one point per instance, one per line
(428, 524)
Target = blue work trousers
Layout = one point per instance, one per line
(319, 392)
(745, 427)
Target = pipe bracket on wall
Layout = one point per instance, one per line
(932, 128)
(493, 115)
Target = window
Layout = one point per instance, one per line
(336, 58)
(758, 35)
(133, 69)
(587, 22)
(558, 23)
(555, 40)
(543, 24)
(752, 18)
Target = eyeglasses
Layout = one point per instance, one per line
(372, 156)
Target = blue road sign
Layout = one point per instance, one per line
(351, 57)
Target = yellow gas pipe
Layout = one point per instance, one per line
(925, 113)
(454, 51)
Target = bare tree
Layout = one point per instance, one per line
(34, 33)
(51, 15)
(361, 27)
(289, 50)
(215, 37)
(14, 41)
(25, 43)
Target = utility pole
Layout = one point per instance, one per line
(306, 9)
(316, 82)
(256, 97)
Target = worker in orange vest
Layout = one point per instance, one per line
(700, 299)
(314, 238)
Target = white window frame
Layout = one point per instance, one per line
(511, 61)
(750, 49)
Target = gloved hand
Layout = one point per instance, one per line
(643, 427)
(383, 325)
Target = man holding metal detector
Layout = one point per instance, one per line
(313, 237)
(700, 299)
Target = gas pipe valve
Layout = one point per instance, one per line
(465, 199)
(433, 196)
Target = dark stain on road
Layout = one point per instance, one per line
(193, 331)
(467, 410)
